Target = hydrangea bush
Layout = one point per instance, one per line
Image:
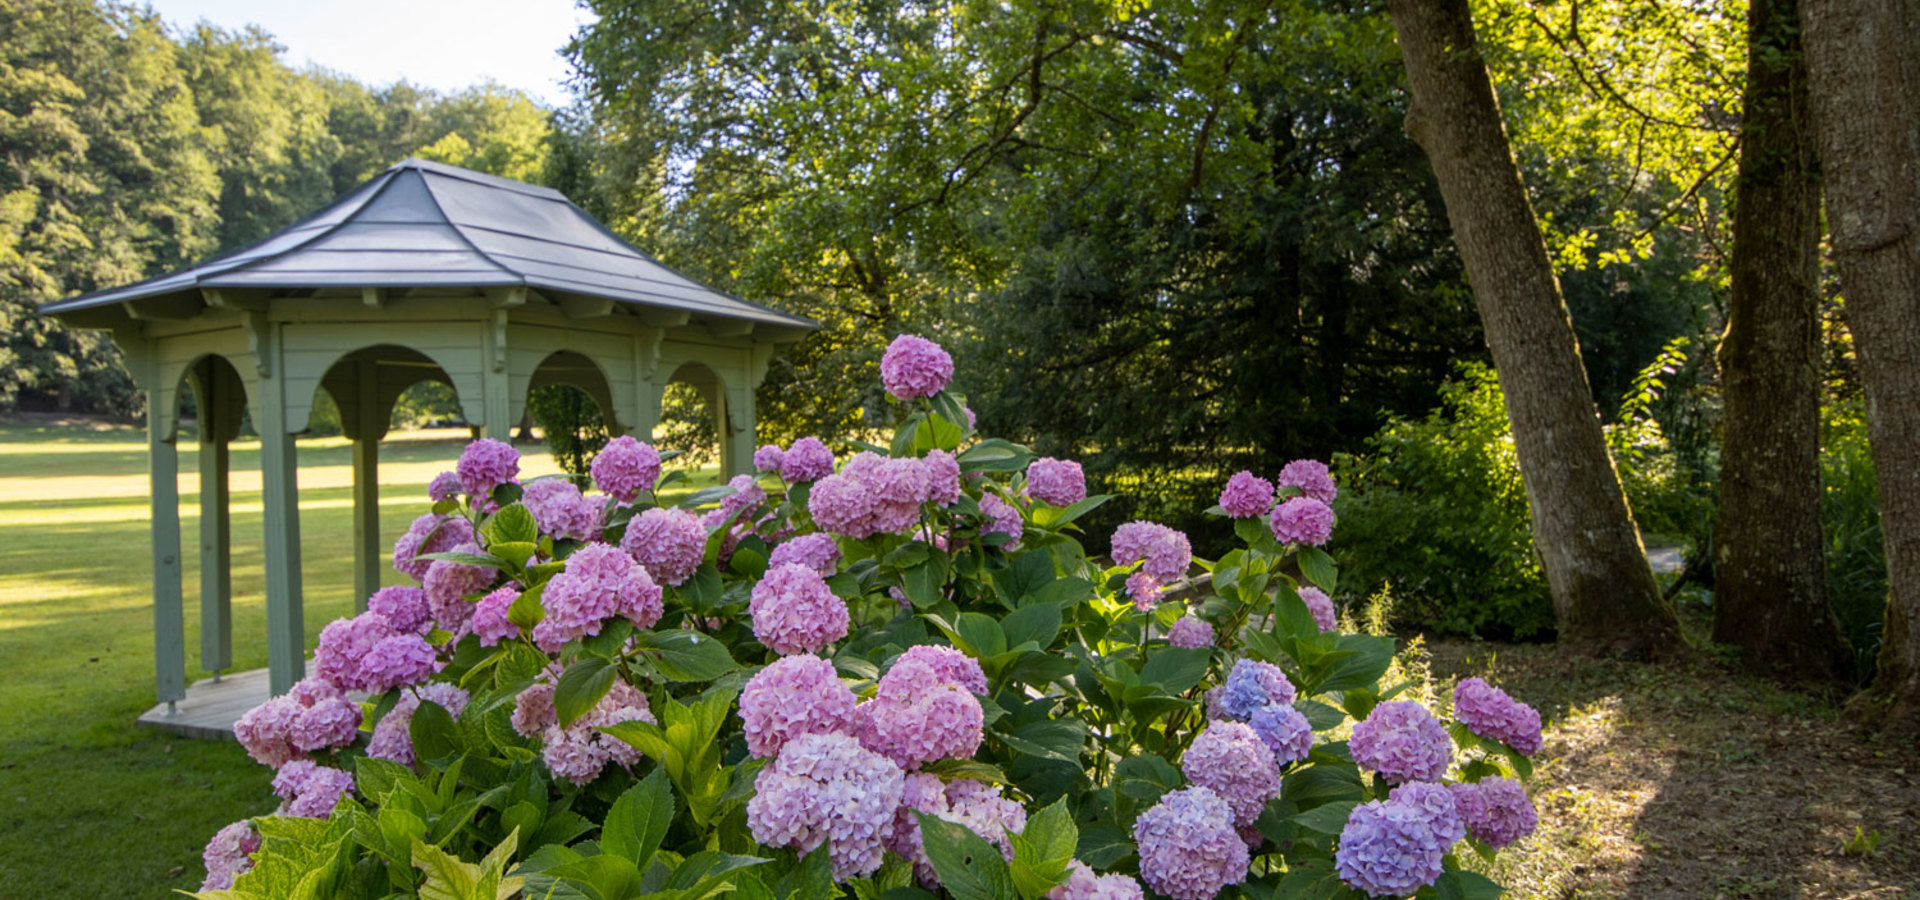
(898, 674)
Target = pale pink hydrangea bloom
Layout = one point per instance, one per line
(917, 716)
(1403, 742)
(1083, 884)
(794, 695)
(1246, 495)
(1321, 606)
(313, 715)
(1003, 518)
(943, 477)
(429, 534)
(625, 468)
(974, 805)
(448, 583)
(950, 665)
(561, 511)
(1163, 552)
(229, 855)
(403, 605)
(310, 791)
(794, 611)
(392, 739)
(818, 552)
(747, 494)
(1059, 482)
(1190, 632)
(490, 617)
(669, 542)
(599, 582)
(396, 660)
(1230, 759)
(827, 789)
(1311, 477)
(841, 505)
(915, 367)
(1496, 810)
(807, 460)
(1144, 590)
(344, 645)
(580, 751)
(533, 709)
(1488, 712)
(1301, 520)
(445, 486)
(485, 465)
(768, 457)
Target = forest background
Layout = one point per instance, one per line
(1170, 240)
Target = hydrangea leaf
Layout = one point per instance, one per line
(580, 687)
(968, 866)
(637, 822)
(514, 523)
(686, 656)
(1327, 818)
(1460, 884)
(1318, 567)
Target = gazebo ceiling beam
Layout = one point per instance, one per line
(373, 297)
(655, 317)
(509, 297)
(730, 328)
(227, 298)
(584, 307)
(165, 308)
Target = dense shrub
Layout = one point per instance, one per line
(1850, 514)
(903, 679)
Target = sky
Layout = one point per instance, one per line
(441, 44)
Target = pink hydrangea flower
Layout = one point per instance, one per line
(915, 367)
(533, 711)
(794, 611)
(1083, 884)
(943, 477)
(403, 605)
(310, 791)
(917, 716)
(1144, 590)
(599, 582)
(448, 583)
(397, 660)
(1488, 712)
(1189, 849)
(1403, 742)
(579, 752)
(807, 460)
(486, 464)
(1230, 759)
(950, 665)
(768, 457)
(313, 715)
(344, 645)
(827, 789)
(1394, 847)
(626, 467)
(561, 511)
(1190, 632)
(974, 805)
(670, 542)
(1285, 732)
(1301, 520)
(1311, 477)
(1002, 518)
(229, 855)
(795, 695)
(429, 534)
(747, 494)
(393, 738)
(490, 617)
(1163, 552)
(1496, 810)
(1059, 482)
(1321, 606)
(818, 552)
(841, 505)
(1246, 495)
(895, 489)
(445, 486)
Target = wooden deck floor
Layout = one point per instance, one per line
(211, 707)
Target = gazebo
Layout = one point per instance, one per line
(428, 271)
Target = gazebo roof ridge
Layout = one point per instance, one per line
(425, 224)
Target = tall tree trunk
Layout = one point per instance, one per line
(1770, 579)
(1865, 67)
(1604, 593)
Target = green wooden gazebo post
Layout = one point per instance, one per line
(427, 272)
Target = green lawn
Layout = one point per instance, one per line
(91, 806)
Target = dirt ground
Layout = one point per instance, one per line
(1684, 781)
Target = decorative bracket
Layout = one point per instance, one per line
(256, 325)
(500, 339)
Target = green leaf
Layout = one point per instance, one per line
(515, 553)
(512, 524)
(1318, 567)
(748, 563)
(468, 559)
(925, 584)
(705, 496)
(434, 734)
(1059, 517)
(682, 655)
(1103, 846)
(526, 610)
(1330, 818)
(581, 687)
(1319, 715)
(1051, 832)
(1174, 670)
(1323, 783)
(981, 634)
(968, 866)
(1039, 623)
(1371, 656)
(638, 821)
(1460, 884)
(1057, 739)
(994, 455)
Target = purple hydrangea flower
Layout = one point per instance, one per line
(1496, 810)
(768, 457)
(1189, 849)
(1060, 482)
(229, 855)
(1083, 884)
(818, 552)
(1163, 552)
(1394, 847)
(794, 611)
(312, 715)
(624, 468)
(344, 644)
(1403, 742)
(486, 464)
(826, 788)
(403, 605)
(1251, 685)
(1285, 732)
(392, 739)
(598, 583)
(915, 367)
(808, 459)
(397, 660)
(310, 791)
(429, 534)
(952, 666)
(747, 494)
(1310, 476)
(943, 477)
(445, 486)
(917, 715)
(1488, 712)
(1191, 632)
(490, 617)
(1144, 590)
(533, 711)
(448, 583)
(561, 511)
(895, 490)
(1301, 520)
(1230, 759)
(1002, 518)
(794, 695)
(1246, 495)
(1320, 606)
(669, 541)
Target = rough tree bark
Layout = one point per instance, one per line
(1604, 594)
(1770, 579)
(1864, 63)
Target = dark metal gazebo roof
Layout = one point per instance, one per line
(423, 224)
